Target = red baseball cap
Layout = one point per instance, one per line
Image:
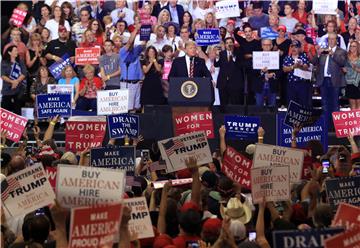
(282, 27)
(62, 28)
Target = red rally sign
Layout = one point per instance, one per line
(193, 122)
(85, 56)
(13, 124)
(347, 122)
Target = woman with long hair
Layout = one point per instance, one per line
(33, 58)
(69, 77)
(352, 76)
(57, 19)
(164, 17)
(45, 13)
(210, 21)
(89, 40)
(187, 20)
(42, 80)
(96, 28)
(68, 12)
(171, 31)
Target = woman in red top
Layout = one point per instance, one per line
(89, 40)
(88, 88)
(96, 28)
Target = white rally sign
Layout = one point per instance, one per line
(270, 60)
(112, 102)
(228, 8)
(325, 7)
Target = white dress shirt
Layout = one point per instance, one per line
(327, 63)
(129, 15)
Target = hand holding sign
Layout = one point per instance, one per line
(191, 164)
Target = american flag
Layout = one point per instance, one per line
(8, 185)
(171, 145)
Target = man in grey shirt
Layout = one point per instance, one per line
(110, 67)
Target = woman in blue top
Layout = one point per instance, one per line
(68, 76)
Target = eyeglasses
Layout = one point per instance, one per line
(353, 46)
(95, 24)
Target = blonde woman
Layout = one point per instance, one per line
(164, 17)
(69, 77)
(33, 54)
(198, 24)
(352, 76)
(210, 21)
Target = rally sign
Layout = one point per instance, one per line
(308, 238)
(343, 189)
(193, 122)
(123, 125)
(122, 157)
(140, 222)
(13, 124)
(270, 60)
(273, 183)
(241, 127)
(85, 55)
(347, 239)
(50, 105)
(268, 33)
(87, 186)
(112, 101)
(229, 8)
(18, 17)
(174, 182)
(237, 167)
(61, 89)
(51, 176)
(347, 216)
(145, 32)
(94, 226)
(57, 67)
(84, 132)
(26, 191)
(298, 115)
(347, 123)
(325, 7)
(177, 149)
(207, 37)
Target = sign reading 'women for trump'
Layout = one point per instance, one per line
(347, 123)
(13, 124)
(193, 122)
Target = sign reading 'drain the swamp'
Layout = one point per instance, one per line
(50, 105)
(347, 122)
(26, 191)
(94, 226)
(140, 222)
(347, 216)
(343, 189)
(123, 125)
(207, 37)
(13, 124)
(237, 167)
(83, 132)
(175, 150)
(270, 60)
(309, 238)
(112, 102)
(229, 8)
(193, 122)
(241, 127)
(273, 183)
(87, 186)
(269, 155)
(86, 55)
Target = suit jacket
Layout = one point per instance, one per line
(230, 73)
(337, 76)
(179, 68)
(180, 12)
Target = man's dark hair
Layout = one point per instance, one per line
(229, 38)
(190, 222)
(36, 228)
(112, 43)
(323, 216)
(123, 21)
(257, 5)
(167, 48)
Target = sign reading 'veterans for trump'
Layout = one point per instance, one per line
(88, 186)
(177, 149)
(123, 125)
(13, 124)
(269, 155)
(193, 122)
(346, 123)
(26, 191)
(83, 132)
(94, 226)
(50, 105)
(241, 127)
(112, 102)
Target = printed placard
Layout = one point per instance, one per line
(270, 60)
(84, 55)
(305, 74)
(61, 89)
(50, 105)
(123, 125)
(298, 115)
(174, 182)
(273, 183)
(325, 7)
(112, 102)
(229, 8)
(57, 67)
(237, 167)
(268, 33)
(207, 37)
(347, 216)
(241, 127)
(26, 191)
(346, 123)
(140, 222)
(175, 150)
(84, 131)
(88, 186)
(102, 221)
(347, 239)
(145, 32)
(18, 17)
(13, 124)
(193, 122)
(51, 176)
(269, 155)
(343, 189)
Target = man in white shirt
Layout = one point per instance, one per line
(160, 39)
(121, 12)
(80, 27)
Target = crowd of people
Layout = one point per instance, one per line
(213, 211)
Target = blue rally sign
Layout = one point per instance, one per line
(298, 115)
(145, 32)
(50, 105)
(123, 125)
(206, 37)
(57, 67)
(241, 127)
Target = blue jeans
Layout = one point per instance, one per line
(271, 98)
(329, 100)
(86, 104)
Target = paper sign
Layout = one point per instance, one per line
(325, 7)
(270, 60)
(229, 8)
(305, 74)
(85, 56)
(87, 186)
(237, 167)
(13, 124)
(298, 115)
(268, 33)
(347, 122)
(140, 222)
(50, 105)
(26, 191)
(348, 239)
(123, 125)
(193, 122)
(57, 67)
(269, 155)
(241, 127)
(343, 189)
(273, 183)
(83, 132)
(347, 216)
(174, 183)
(18, 17)
(51, 176)
(207, 37)
(94, 226)
(112, 102)
(145, 32)
(175, 150)
(61, 89)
